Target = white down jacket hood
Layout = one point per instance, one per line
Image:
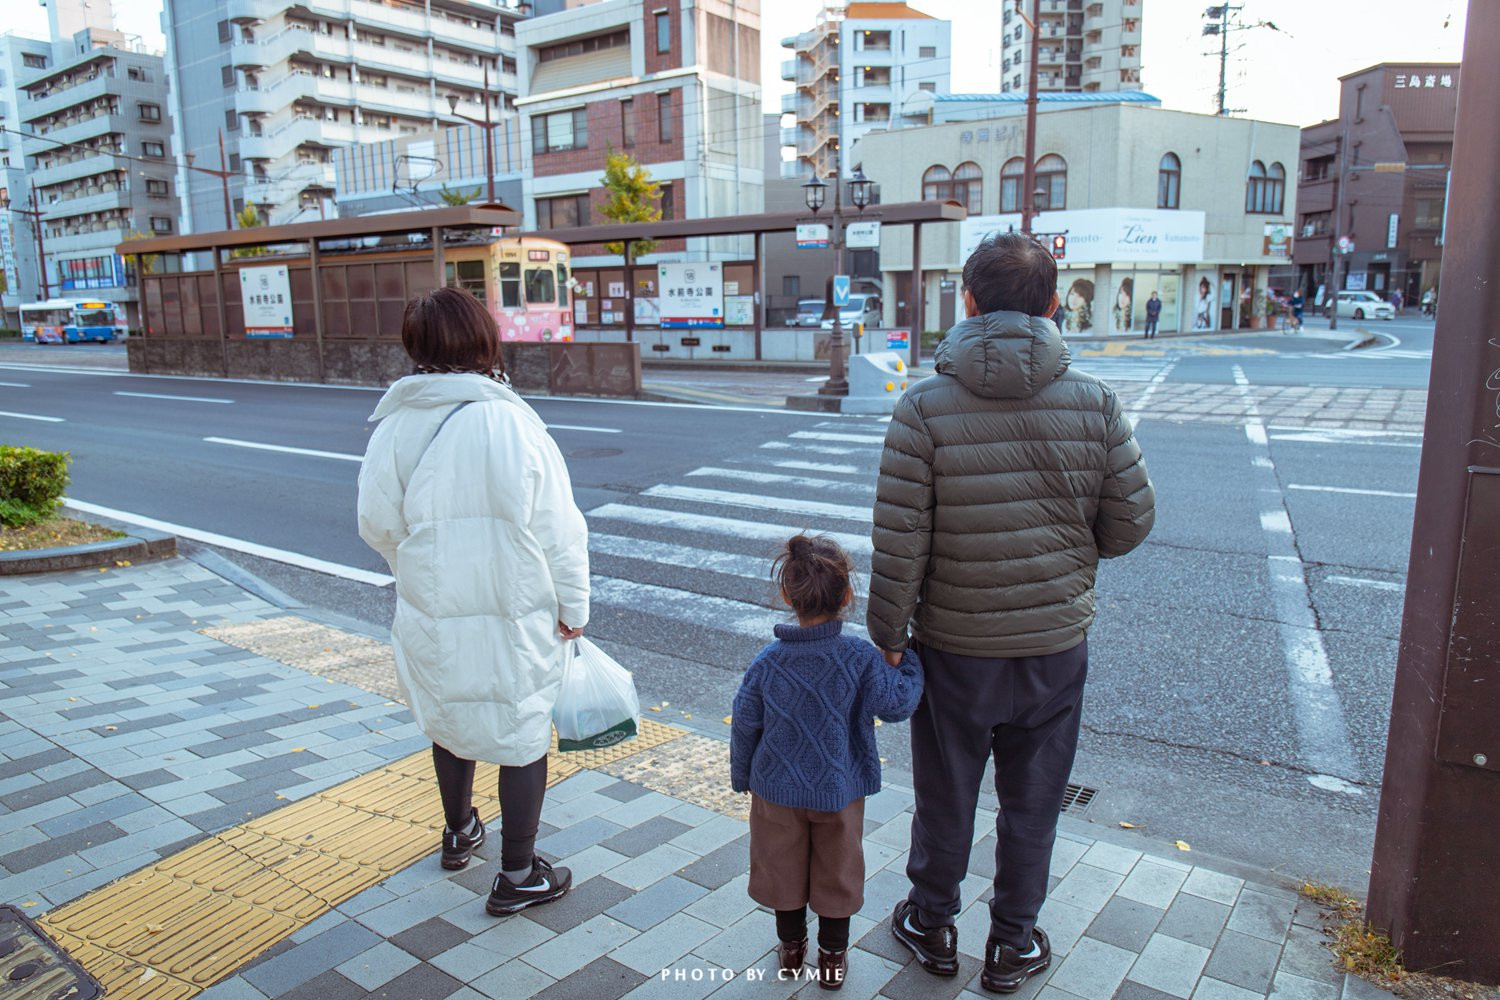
(489, 552)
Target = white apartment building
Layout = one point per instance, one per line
(1086, 45)
(287, 83)
(20, 58)
(863, 66)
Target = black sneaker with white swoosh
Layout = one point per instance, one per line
(1006, 969)
(936, 948)
(544, 885)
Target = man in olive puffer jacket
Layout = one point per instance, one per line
(1005, 477)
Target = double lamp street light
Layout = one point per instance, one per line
(815, 193)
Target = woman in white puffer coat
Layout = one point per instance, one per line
(467, 498)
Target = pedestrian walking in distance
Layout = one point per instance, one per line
(1005, 478)
(467, 498)
(802, 742)
(1153, 314)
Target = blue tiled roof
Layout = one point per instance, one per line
(1091, 97)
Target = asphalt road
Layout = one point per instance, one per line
(1229, 706)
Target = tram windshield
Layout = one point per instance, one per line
(541, 286)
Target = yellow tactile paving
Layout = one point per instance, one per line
(174, 929)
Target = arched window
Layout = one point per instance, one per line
(1052, 181)
(1275, 188)
(1011, 175)
(968, 186)
(1169, 182)
(1255, 187)
(937, 184)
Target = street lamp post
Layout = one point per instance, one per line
(815, 194)
(489, 130)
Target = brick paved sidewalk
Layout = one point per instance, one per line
(127, 734)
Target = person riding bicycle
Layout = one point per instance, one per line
(1296, 304)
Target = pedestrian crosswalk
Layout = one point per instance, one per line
(1122, 369)
(1378, 354)
(695, 553)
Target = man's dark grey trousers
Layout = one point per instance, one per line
(1025, 712)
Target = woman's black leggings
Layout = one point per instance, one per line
(521, 791)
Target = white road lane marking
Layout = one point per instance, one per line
(237, 544)
(855, 545)
(1318, 713)
(1137, 411)
(1354, 433)
(774, 478)
(1350, 489)
(32, 416)
(17, 385)
(180, 399)
(1314, 437)
(1360, 581)
(836, 436)
(721, 613)
(686, 556)
(575, 427)
(808, 508)
(831, 467)
(815, 449)
(261, 446)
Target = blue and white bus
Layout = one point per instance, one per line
(69, 321)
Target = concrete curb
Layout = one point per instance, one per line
(1365, 339)
(140, 545)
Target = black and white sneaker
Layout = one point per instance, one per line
(543, 886)
(459, 845)
(936, 948)
(1006, 968)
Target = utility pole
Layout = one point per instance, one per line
(1028, 176)
(1223, 57)
(224, 182)
(489, 134)
(35, 214)
(1335, 271)
(1434, 880)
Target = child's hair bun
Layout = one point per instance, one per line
(813, 573)
(799, 547)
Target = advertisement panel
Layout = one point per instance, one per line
(266, 294)
(692, 294)
(1105, 235)
(1278, 240)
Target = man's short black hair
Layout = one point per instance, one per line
(1011, 271)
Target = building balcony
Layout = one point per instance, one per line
(289, 184)
(390, 59)
(282, 93)
(85, 166)
(61, 100)
(389, 99)
(284, 139)
(795, 170)
(93, 198)
(279, 47)
(789, 69)
(91, 128)
(105, 238)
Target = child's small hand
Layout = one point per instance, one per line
(892, 657)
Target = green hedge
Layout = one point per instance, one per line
(31, 485)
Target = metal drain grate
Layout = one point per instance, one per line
(1077, 798)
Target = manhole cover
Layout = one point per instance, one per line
(594, 452)
(1077, 798)
(32, 967)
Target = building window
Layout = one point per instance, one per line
(627, 122)
(135, 73)
(579, 46)
(668, 202)
(566, 212)
(149, 112)
(930, 51)
(234, 162)
(1011, 176)
(155, 150)
(791, 285)
(968, 186)
(874, 113)
(1169, 182)
(664, 131)
(156, 188)
(33, 61)
(927, 86)
(1265, 188)
(226, 73)
(559, 131)
(468, 275)
(1317, 168)
(225, 33)
(160, 224)
(1315, 223)
(1052, 181)
(663, 32)
(876, 76)
(231, 120)
(937, 184)
(1429, 212)
(876, 41)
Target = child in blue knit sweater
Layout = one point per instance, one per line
(803, 744)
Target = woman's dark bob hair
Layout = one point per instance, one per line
(450, 330)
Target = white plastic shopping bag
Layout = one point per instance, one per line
(597, 706)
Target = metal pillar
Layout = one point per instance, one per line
(1028, 176)
(760, 289)
(439, 265)
(630, 294)
(315, 270)
(223, 307)
(1435, 878)
(918, 295)
(140, 280)
(838, 381)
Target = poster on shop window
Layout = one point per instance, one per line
(691, 295)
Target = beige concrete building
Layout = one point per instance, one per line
(1195, 207)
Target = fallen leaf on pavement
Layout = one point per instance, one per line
(109, 729)
(1129, 826)
(298, 749)
(1182, 845)
(877, 722)
(653, 708)
(154, 928)
(728, 719)
(687, 715)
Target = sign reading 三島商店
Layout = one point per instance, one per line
(266, 294)
(1105, 235)
(692, 294)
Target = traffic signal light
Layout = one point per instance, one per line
(1059, 246)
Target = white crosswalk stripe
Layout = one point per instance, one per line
(1122, 369)
(727, 498)
(1388, 354)
(781, 479)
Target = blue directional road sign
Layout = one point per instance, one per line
(840, 290)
